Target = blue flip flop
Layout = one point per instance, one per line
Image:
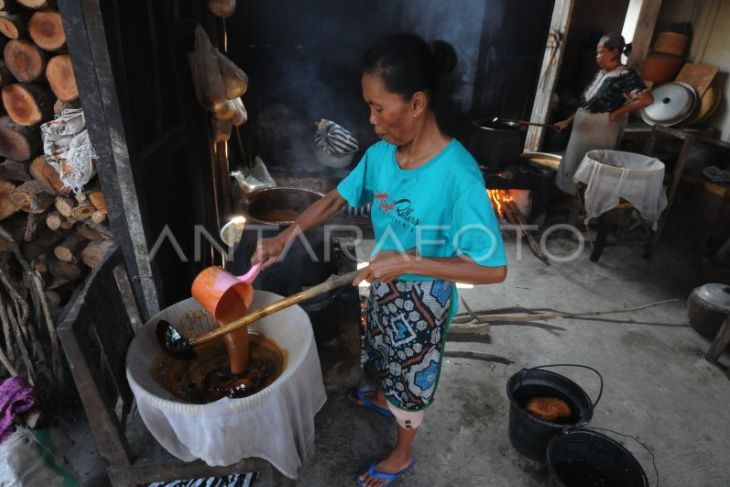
(388, 477)
(365, 403)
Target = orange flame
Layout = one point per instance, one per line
(499, 197)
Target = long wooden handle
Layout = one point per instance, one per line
(271, 308)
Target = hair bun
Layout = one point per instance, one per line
(445, 55)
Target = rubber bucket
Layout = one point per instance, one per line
(586, 458)
(530, 435)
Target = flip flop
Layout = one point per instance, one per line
(388, 477)
(365, 403)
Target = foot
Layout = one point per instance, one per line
(392, 464)
(369, 399)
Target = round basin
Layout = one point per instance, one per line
(276, 423)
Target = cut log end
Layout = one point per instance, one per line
(24, 60)
(18, 142)
(31, 198)
(12, 26)
(46, 30)
(60, 75)
(34, 4)
(27, 105)
(95, 251)
(49, 178)
(68, 250)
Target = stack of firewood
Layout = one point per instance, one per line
(50, 237)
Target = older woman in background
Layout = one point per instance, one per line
(603, 108)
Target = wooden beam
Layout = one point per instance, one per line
(87, 44)
(643, 33)
(554, 50)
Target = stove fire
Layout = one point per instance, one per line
(507, 201)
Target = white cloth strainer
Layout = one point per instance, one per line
(276, 424)
(613, 175)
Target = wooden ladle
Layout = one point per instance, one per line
(179, 346)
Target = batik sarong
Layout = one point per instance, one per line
(405, 337)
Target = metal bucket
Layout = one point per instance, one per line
(586, 457)
(530, 435)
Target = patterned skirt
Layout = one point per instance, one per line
(405, 337)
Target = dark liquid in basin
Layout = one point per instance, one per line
(207, 378)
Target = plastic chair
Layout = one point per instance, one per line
(95, 330)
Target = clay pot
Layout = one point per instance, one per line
(661, 68)
(671, 43)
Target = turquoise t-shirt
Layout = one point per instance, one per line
(440, 208)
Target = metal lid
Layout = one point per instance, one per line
(673, 103)
(715, 294)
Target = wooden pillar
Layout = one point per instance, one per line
(643, 33)
(554, 49)
(87, 43)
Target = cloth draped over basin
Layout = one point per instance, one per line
(275, 424)
(611, 175)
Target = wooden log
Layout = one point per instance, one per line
(96, 197)
(27, 104)
(87, 232)
(6, 77)
(7, 208)
(31, 227)
(69, 271)
(83, 211)
(95, 251)
(60, 75)
(61, 105)
(234, 79)
(68, 250)
(31, 198)
(46, 30)
(80, 197)
(24, 59)
(68, 223)
(54, 220)
(64, 206)
(34, 4)
(98, 217)
(17, 141)
(44, 243)
(11, 170)
(49, 178)
(222, 8)
(103, 230)
(12, 26)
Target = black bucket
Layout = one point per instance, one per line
(530, 435)
(585, 458)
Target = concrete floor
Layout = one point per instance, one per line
(657, 385)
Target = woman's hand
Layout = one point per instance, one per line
(563, 124)
(268, 251)
(385, 267)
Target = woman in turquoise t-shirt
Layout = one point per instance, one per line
(433, 223)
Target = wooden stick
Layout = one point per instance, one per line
(8, 364)
(485, 316)
(38, 288)
(514, 212)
